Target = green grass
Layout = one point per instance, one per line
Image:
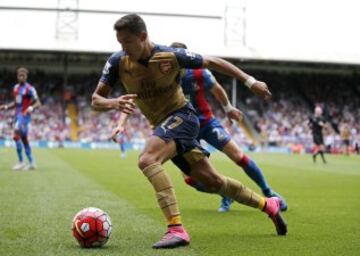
(37, 207)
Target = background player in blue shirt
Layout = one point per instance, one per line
(26, 100)
(195, 83)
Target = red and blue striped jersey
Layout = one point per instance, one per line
(24, 95)
(195, 82)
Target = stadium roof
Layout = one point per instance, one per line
(310, 31)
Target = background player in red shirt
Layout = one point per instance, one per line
(26, 100)
(195, 83)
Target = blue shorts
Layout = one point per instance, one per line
(183, 127)
(214, 134)
(22, 124)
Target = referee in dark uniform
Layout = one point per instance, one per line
(317, 122)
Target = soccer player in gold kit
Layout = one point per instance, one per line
(345, 133)
(150, 74)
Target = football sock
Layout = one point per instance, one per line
(165, 192)
(254, 172)
(27, 149)
(174, 221)
(241, 194)
(314, 157)
(19, 150)
(322, 156)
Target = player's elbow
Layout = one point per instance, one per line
(94, 102)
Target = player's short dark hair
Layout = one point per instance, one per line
(22, 70)
(133, 22)
(178, 45)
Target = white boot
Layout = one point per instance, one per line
(30, 167)
(19, 166)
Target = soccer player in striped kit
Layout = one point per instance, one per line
(26, 100)
(195, 83)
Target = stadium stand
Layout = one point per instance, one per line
(66, 114)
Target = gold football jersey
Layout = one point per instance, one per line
(156, 86)
(155, 81)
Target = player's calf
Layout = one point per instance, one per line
(246, 196)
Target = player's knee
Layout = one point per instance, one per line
(24, 139)
(146, 160)
(236, 157)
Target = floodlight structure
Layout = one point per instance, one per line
(235, 24)
(67, 26)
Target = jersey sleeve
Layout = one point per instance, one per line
(188, 59)
(209, 79)
(110, 72)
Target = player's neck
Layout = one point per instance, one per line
(148, 50)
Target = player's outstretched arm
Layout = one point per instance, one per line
(222, 66)
(7, 106)
(120, 128)
(100, 102)
(220, 95)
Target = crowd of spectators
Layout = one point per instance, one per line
(283, 121)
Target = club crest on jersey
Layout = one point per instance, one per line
(165, 67)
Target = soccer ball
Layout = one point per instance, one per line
(91, 227)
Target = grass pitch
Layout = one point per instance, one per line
(36, 207)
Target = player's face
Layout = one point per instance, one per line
(21, 77)
(133, 45)
(318, 111)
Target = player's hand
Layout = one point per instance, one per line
(260, 89)
(235, 114)
(115, 132)
(125, 103)
(29, 110)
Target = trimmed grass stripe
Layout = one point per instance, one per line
(37, 207)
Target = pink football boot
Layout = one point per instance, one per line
(272, 208)
(175, 236)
